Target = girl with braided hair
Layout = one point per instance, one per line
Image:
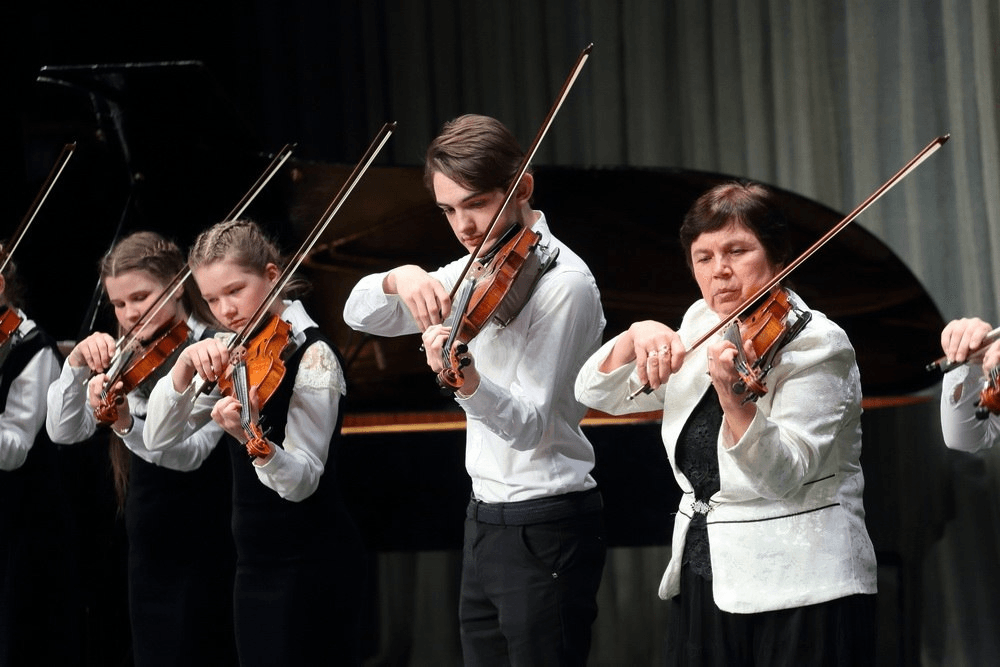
(176, 503)
(298, 552)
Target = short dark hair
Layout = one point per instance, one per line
(747, 203)
(477, 152)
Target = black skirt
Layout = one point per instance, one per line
(838, 633)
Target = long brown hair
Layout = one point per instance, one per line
(161, 258)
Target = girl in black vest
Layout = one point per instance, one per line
(299, 555)
(36, 606)
(181, 560)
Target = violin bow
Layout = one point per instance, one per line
(36, 205)
(944, 365)
(526, 161)
(907, 169)
(307, 245)
(310, 241)
(177, 281)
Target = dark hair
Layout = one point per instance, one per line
(744, 202)
(162, 259)
(13, 291)
(477, 152)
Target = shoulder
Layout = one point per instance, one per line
(320, 368)
(569, 273)
(820, 343)
(698, 319)
(821, 330)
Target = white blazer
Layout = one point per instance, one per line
(787, 527)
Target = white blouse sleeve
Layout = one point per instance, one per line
(172, 417)
(24, 414)
(959, 425)
(69, 419)
(295, 469)
(609, 392)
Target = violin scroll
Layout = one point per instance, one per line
(451, 379)
(257, 446)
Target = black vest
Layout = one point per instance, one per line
(266, 526)
(15, 487)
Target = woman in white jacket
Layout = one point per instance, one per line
(771, 562)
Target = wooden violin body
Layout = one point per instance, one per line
(136, 364)
(497, 292)
(258, 364)
(989, 397)
(9, 322)
(769, 327)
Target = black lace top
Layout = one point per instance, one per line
(697, 457)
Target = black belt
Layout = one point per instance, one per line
(540, 510)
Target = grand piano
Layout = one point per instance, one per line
(145, 164)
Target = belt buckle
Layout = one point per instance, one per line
(701, 507)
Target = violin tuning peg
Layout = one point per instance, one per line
(464, 361)
(461, 348)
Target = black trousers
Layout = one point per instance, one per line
(838, 633)
(529, 592)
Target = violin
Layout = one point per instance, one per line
(134, 365)
(255, 353)
(497, 291)
(500, 285)
(773, 324)
(257, 364)
(906, 170)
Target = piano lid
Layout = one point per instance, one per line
(624, 223)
